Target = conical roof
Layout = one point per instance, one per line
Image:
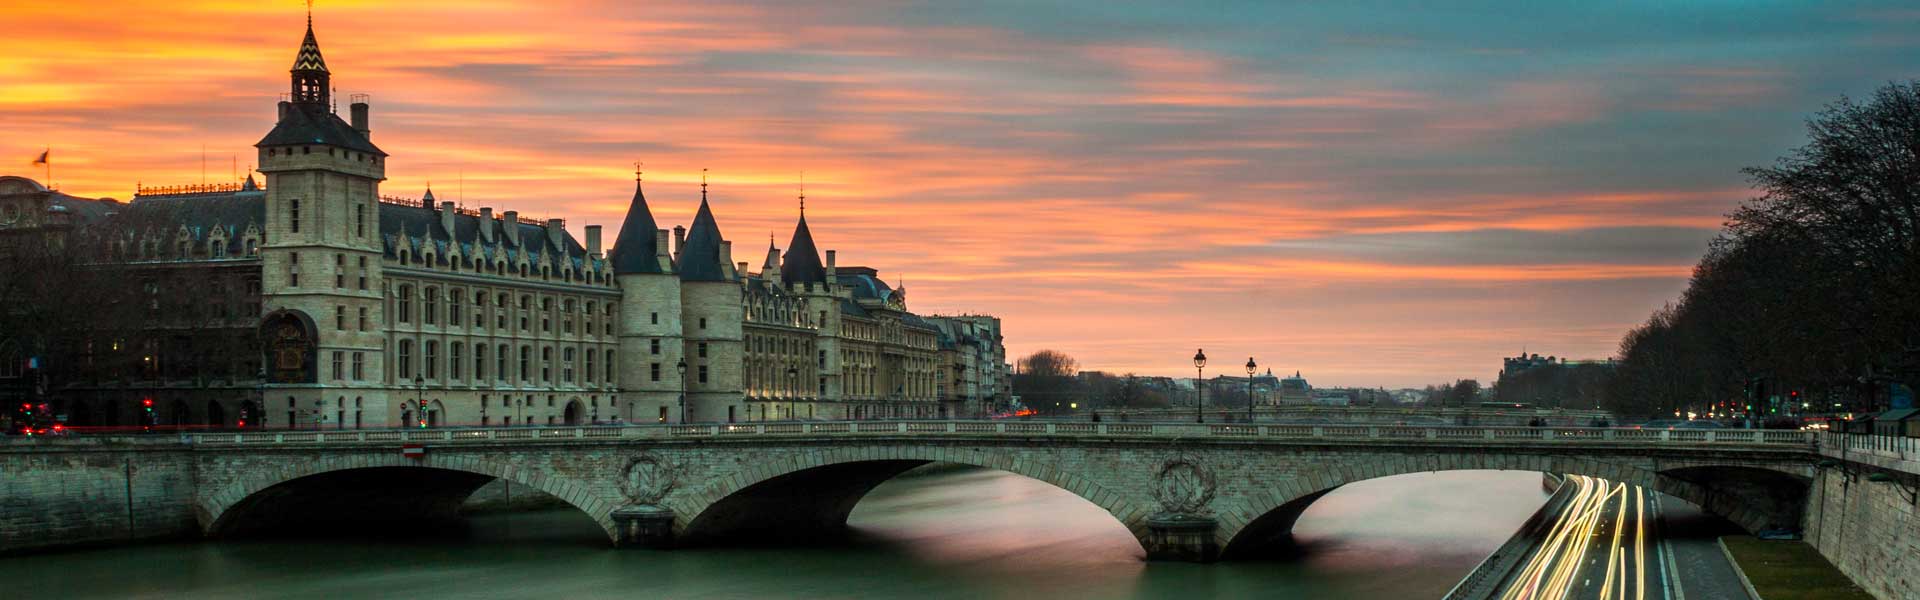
(309, 58)
(700, 257)
(635, 250)
(802, 261)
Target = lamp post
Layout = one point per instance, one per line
(1250, 368)
(1199, 392)
(793, 390)
(682, 368)
(419, 398)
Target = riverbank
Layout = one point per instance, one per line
(1789, 570)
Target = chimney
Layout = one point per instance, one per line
(285, 109)
(486, 224)
(593, 241)
(446, 217)
(660, 243)
(726, 252)
(510, 221)
(679, 241)
(556, 231)
(830, 271)
(360, 119)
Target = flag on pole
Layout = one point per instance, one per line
(43, 157)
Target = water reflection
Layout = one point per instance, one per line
(971, 534)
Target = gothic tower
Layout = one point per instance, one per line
(802, 274)
(320, 264)
(711, 317)
(650, 328)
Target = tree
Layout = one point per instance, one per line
(1813, 286)
(1046, 382)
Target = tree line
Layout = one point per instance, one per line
(1808, 294)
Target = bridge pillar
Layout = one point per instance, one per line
(1182, 538)
(644, 526)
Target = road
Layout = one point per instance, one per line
(1602, 546)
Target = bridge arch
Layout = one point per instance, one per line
(811, 493)
(219, 511)
(1746, 494)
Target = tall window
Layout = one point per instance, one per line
(339, 317)
(454, 313)
(609, 371)
(359, 366)
(703, 349)
(405, 360)
(293, 269)
(654, 371)
(428, 357)
(526, 356)
(703, 373)
(339, 360)
(590, 366)
(655, 346)
(479, 361)
(500, 363)
(430, 306)
(363, 273)
(339, 270)
(455, 362)
(293, 215)
(360, 220)
(546, 364)
(404, 305)
(566, 365)
(363, 318)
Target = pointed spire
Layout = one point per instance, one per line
(310, 76)
(426, 201)
(633, 251)
(802, 262)
(700, 256)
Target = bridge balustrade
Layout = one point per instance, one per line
(1892, 447)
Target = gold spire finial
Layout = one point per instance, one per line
(636, 170)
(803, 194)
(703, 184)
(309, 14)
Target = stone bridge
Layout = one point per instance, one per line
(1186, 491)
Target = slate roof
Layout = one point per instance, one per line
(802, 262)
(700, 257)
(635, 250)
(864, 283)
(422, 227)
(201, 214)
(308, 123)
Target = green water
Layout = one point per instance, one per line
(970, 534)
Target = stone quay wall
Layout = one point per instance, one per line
(95, 492)
(1869, 529)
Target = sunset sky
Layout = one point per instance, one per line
(1373, 195)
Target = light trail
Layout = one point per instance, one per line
(1602, 520)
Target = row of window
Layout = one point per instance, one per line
(530, 370)
(588, 314)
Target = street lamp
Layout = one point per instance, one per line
(1199, 393)
(1250, 368)
(793, 389)
(682, 368)
(419, 398)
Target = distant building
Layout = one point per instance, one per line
(1295, 390)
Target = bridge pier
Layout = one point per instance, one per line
(644, 526)
(1176, 537)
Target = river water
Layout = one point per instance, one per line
(967, 534)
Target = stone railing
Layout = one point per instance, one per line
(1884, 451)
(1025, 429)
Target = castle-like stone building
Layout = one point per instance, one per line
(316, 301)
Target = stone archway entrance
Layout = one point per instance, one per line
(576, 412)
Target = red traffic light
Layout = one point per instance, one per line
(147, 402)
